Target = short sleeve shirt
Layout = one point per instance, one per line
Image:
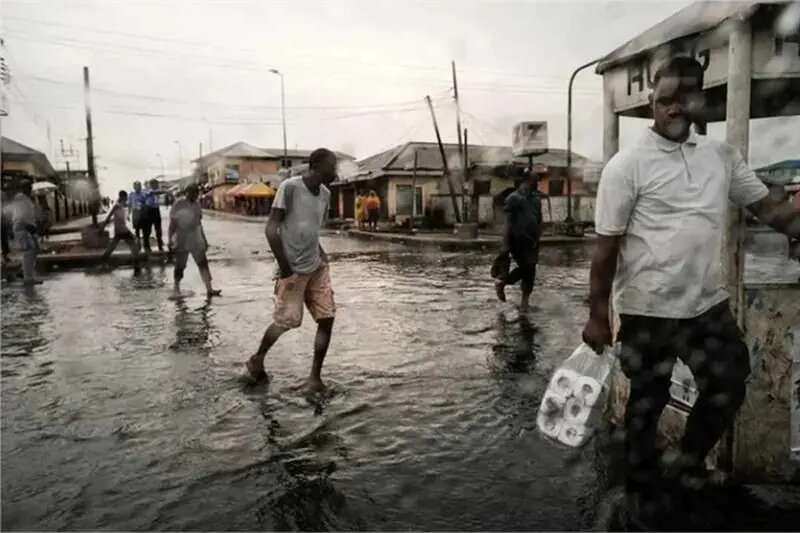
(24, 213)
(524, 212)
(669, 203)
(151, 199)
(305, 215)
(136, 200)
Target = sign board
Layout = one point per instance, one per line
(774, 58)
(529, 138)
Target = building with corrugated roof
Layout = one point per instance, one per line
(492, 174)
(242, 162)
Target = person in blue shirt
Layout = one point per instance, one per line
(136, 204)
(152, 217)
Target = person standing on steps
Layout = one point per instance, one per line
(303, 274)
(119, 214)
(660, 216)
(186, 236)
(523, 231)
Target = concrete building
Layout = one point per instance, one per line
(492, 171)
(22, 164)
(241, 163)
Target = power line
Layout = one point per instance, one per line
(349, 60)
(164, 54)
(122, 94)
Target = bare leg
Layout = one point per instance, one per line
(29, 266)
(255, 365)
(321, 342)
(205, 274)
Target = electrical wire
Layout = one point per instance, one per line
(251, 51)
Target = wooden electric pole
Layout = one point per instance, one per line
(456, 211)
(458, 110)
(95, 203)
(414, 189)
(466, 179)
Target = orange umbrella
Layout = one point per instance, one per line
(236, 189)
(257, 190)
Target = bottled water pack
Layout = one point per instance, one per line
(573, 404)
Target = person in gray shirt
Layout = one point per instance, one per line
(25, 232)
(302, 276)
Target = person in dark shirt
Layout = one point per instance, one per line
(523, 209)
(152, 217)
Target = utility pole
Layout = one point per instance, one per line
(180, 159)
(95, 203)
(458, 111)
(461, 148)
(414, 189)
(161, 158)
(466, 178)
(283, 118)
(452, 187)
(569, 138)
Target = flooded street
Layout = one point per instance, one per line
(123, 410)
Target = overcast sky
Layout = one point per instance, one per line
(356, 73)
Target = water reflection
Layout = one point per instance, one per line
(194, 329)
(430, 424)
(515, 348)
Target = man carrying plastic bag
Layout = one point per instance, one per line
(573, 404)
(660, 214)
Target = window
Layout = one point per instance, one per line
(231, 172)
(404, 206)
(556, 187)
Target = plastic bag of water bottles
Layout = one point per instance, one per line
(573, 404)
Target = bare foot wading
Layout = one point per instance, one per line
(255, 373)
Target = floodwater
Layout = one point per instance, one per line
(122, 409)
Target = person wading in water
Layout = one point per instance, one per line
(303, 274)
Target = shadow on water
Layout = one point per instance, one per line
(194, 328)
(515, 350)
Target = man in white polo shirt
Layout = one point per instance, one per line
(660, 218)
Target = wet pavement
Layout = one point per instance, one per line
(124, 410)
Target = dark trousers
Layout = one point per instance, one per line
(712, 346)
(151, 219)
(525, 255)
(4, 227)
(129, 239)
(137, 219)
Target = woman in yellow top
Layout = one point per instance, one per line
(373, 204)
(361, 210)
